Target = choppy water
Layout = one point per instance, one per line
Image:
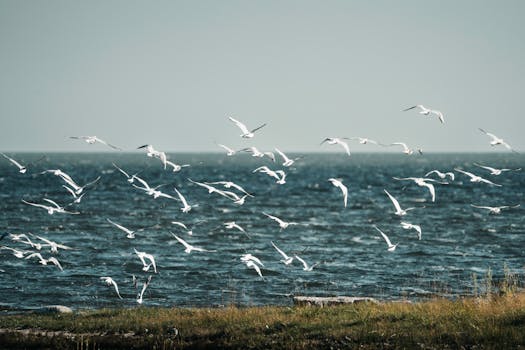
(458, 240)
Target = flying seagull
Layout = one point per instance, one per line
(93, 139)
(391, 247)
(427, 111)
(337, 141)
(344, 189)
(495, 210)
(287, 260)
(476, 178)
(495, 171)
(408, 226)
(496, 140)
(399, 211)
(247, 134)
(110, 281)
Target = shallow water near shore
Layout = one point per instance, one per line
(458, 240)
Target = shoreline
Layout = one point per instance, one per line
(475, 322)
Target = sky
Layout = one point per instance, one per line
(170, 73)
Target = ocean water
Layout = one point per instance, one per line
(458, 240)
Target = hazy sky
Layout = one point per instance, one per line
(169, 73)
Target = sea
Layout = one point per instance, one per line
(461, 246)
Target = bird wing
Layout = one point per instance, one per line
(384, 236)
(345, 146)
(302, 261)
(409, 108)
(240, 125)
(394, 201)
(53, 202)
(259, 127)
(280, 251)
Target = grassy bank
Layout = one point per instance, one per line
(468, 323)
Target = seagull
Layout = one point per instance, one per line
(422, 183)
(230, 184)
(77, 198)
(43, 261)
(229, 151)
(476, 178)
(427, 111)
(391, 247)
(109, 281)
(287, 260)
(249, 257)
(51, 209)
(282, 224)
(338, 141)
(496, 140)
(176, 167)
(230, 195)
(495, 171)
(362, 140)
(286, 161)
(21, 168)
(142, 256)
(406, 150)
(151, 191)
(93, 139)
(278, 174)
(178, 223)
(186, 207)
(441, 175)
(55, 262)
(408, 226)
(18, 253)
(189, 247)
(247, 134)
(152, 152)
(495, 210)
(254, 266)
(233, 225)
(144, 286)
(53, 245)
(129, 233)
(130, 178)
(344, 189)
(399, 211)
(306, 267)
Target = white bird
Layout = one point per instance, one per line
(476, 178)
(230, 184)
(441, 175)
(338, 141)
(287, 260)
(152, 152)
(211, 189)
(130, 178)
(406, 150)
(180, 224)
(129, 233)
(286, 161)
(51, 209)
(391, 247)
(188, 247)
(21, 168)
(55, 262)
(43, 261)
(408, 226)
(399, 211)
(76, 198)
(496, 140)
(229, 151)
(233, 225)
(53, 245)
(249, 257)
(17, 253)
(93, 139)
(176, 167)
(495, 171)
(143, 256)
(306, 267)
(344, 189)
(362, 140)
(278, 174)
(245, 132)
(422, 182)
(152, 191)
(254, 266)
(110, 281)
(427, 111)
(144, 286)
(495, 210)
(282, 224)
(186, 207)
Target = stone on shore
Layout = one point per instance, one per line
(325, 301)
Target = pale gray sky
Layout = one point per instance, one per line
(169, 73)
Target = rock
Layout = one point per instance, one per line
(55, 309)
(325, 301)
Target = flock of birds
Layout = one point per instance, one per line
(233, 192)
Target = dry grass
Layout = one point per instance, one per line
(485, 323)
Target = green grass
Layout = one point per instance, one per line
(498, 322)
